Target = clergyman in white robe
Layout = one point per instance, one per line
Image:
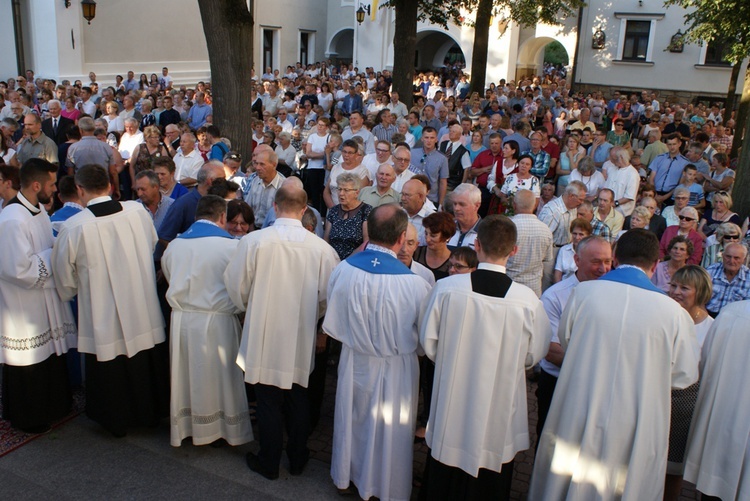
(105, 255)
(606, 436)
(279, 275)
(36, 327)
(208, 400)
(718, 451)
(373, 308)
(483, 331)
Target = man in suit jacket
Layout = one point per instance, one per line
(657, 225)
(56, 126)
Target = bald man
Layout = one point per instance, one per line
(283, 272)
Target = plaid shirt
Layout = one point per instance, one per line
(600, 229)
(541, 163)
(726, 292)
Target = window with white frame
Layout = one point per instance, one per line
(714, 53)
(636, 37)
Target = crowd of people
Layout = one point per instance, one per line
(423, 251)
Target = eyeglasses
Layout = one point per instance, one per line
(401, 159)
(347, 190)
(458, 267)
(731, 237)
(379, 150)
(685, 218)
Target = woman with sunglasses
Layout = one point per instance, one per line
(687, 227)
(726, 233)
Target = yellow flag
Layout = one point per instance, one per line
(374, 10)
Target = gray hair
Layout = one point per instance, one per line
(402, 121)
(208, 172)
(285, 136)
(9, 123)
(349, 178)
(86, 124)
(131, 120)
(576, 188)
(468, 189)
(586, 166)
(691, 211)
(622, 155)
(681, 191)
(151, 175)
(54, 101)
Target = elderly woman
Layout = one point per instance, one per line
(720, 213)
(640, 218)
(587, 173)
(620, 136)
(725, 234)
(146, 152)
(681, 200)
(687, 227)
(403, 128)
(463, 260)
(439, 227)
(679, 249)
(240, 218)
(130, 139)
(352, 154)
(346, 222)
(565, 264)
(691, 288)
(286, 153)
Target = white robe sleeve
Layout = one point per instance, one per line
(64, 263)
(541, 333)
(429, 323)
(240, 273)
(566, 321)
(24, 267)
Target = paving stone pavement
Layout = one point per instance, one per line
(80, 460)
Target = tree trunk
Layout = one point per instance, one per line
(742, 110)
(228, 27)
(481, 45)
(732, 89)
(404, 49)
(741, 189)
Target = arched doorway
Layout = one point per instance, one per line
(341, 47)
(436, 49)
(531, 55)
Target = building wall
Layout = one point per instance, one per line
(8, 64)
(663, 70)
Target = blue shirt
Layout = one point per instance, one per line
(178, 191)
(601, 154)
(434, 165)
(668, 171)
(180, 216)
(198, 114)
(64, 213)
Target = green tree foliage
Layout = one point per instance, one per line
(555, 53)
(727, 20)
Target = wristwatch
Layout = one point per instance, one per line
(617, 203)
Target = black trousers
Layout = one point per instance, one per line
(278, 408)
(545, 389)
(314, 180)
(36, 395)
(442, 482)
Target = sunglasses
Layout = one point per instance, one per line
(685, 218)
(731, 237)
